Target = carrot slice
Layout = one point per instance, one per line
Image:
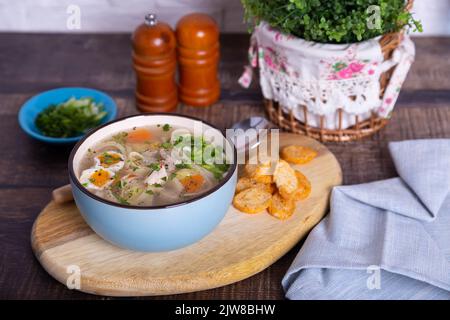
(139, 135)
(192, 183)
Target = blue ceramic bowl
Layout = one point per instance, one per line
(31, 109)
(157, 228)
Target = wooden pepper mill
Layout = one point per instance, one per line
(154, 61)
(198, 57)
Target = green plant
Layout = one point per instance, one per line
(331, 21)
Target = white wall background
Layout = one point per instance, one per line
(124, 15)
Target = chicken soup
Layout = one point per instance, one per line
(152, 166)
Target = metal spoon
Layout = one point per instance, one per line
(241, 127)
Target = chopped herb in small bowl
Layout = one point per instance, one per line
(64, 115)
(70, 118)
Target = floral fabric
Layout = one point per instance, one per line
(325, 77)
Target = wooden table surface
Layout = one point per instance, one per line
(29, 170)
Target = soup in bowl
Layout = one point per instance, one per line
(153, 182)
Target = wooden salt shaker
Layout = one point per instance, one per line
(154, 61)
(198, 57)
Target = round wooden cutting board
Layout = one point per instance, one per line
(241, 246)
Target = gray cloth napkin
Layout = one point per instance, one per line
(383, 240)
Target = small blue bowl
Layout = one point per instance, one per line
(30, 110)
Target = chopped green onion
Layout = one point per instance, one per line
(172, 176)
(154, 166)
(183, 166)
(120, 199)
(166, 145)
(70, 118)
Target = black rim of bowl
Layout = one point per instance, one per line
(77, 183)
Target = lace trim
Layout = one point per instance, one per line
(323, 97)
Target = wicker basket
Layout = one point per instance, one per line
(361, 128)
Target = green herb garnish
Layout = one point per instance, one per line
(183, 166)
(172, 176)
(216, 169)
(166, 145)
(166, 127)
(179, 140)
(120, 199)
(110, 159)
(120, 137)
(198, 150)
(71, 118)
(154, 166)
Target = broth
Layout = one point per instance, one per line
(152, 166)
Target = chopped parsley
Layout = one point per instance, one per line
(166, 145)
(120, 137)
(183, 166)
(123, 201)
(70, 118)
(154, 166)
(149, 192)
(110, 159)
(166, 127)
(198, 147)
(172, 176)
(120, 199)
(216, 169)
(178, 141)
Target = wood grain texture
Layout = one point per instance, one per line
(241, 246)
(30, 170)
